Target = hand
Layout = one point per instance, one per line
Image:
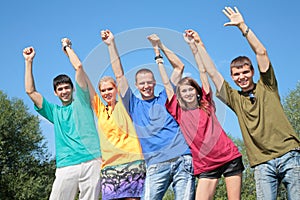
(65, 42)
(155, 41)
(234, 15)
(191, 36)
(29, 53)
(107, 36)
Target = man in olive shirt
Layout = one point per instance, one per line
(271, 143)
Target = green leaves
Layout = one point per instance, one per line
(27, 170)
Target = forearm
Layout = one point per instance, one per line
(30, 86)
(75, 61)
(165, 79)
(29, 81)
(117, 68)
(115, 61)
(172, 58)
(255, 44)
(209, 66)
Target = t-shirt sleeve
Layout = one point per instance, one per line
(128, 100)
(82, 94)
(173, 108)
(46, 110)
(226, 94)
(268, 79)
(97, 105)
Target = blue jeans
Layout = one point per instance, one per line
(178, 171)
(269, 175)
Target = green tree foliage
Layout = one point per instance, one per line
(291, 105)
(27, 170)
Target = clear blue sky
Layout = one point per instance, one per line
(43, 23)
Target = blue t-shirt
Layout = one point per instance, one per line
(76, 136)
(159, 133)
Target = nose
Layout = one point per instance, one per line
(241, 76)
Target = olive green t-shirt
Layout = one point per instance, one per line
(266, 131)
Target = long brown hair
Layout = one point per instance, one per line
(191, 82)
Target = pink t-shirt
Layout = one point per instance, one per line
(211, 147)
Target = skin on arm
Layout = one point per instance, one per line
(206, 61)
(80, 75)
(176, 63)
(236, 19)
(154, 39)
(108, 38)
(192, 38)
(35, 96)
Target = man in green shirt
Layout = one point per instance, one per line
(272, 144)
(76, 138)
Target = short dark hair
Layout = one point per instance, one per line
(240, 61)
(61, 79)
(144, 70)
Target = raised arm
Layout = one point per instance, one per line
(80, 75)
(176, 63)
(207, 62)
(154, 39)
(193, 40)
(109, 40)
(236, 19)
(36, 97)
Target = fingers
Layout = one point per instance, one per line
(28, 50)
(66, 42)
(105, 34)
(228, 11)
(153, 37)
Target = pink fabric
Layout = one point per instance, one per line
(210, 146)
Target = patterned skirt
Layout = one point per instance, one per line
(125, 180)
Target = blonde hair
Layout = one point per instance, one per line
(107, 79)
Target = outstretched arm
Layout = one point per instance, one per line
(207, 62)
(154, 39)
(236, 19)
(176, 63)
(109, 40)
(80, 75)
(36, 97)
(193, 40)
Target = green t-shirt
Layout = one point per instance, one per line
(266, 131)
(76, 136)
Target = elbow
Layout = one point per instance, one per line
(29, 92)
(78, 66)
(261, 51)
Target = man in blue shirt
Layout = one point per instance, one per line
(167, 156)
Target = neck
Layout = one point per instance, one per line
(249, 89)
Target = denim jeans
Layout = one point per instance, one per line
(269, 175)
(178, 171)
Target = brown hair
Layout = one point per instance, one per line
(191, 82)
(240, 62)
(144, 70)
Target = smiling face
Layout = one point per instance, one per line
(108, 92)
(64, 92)
(188, 94)
(243, 77)
(145, 83)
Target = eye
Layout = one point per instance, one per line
(184, 90)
